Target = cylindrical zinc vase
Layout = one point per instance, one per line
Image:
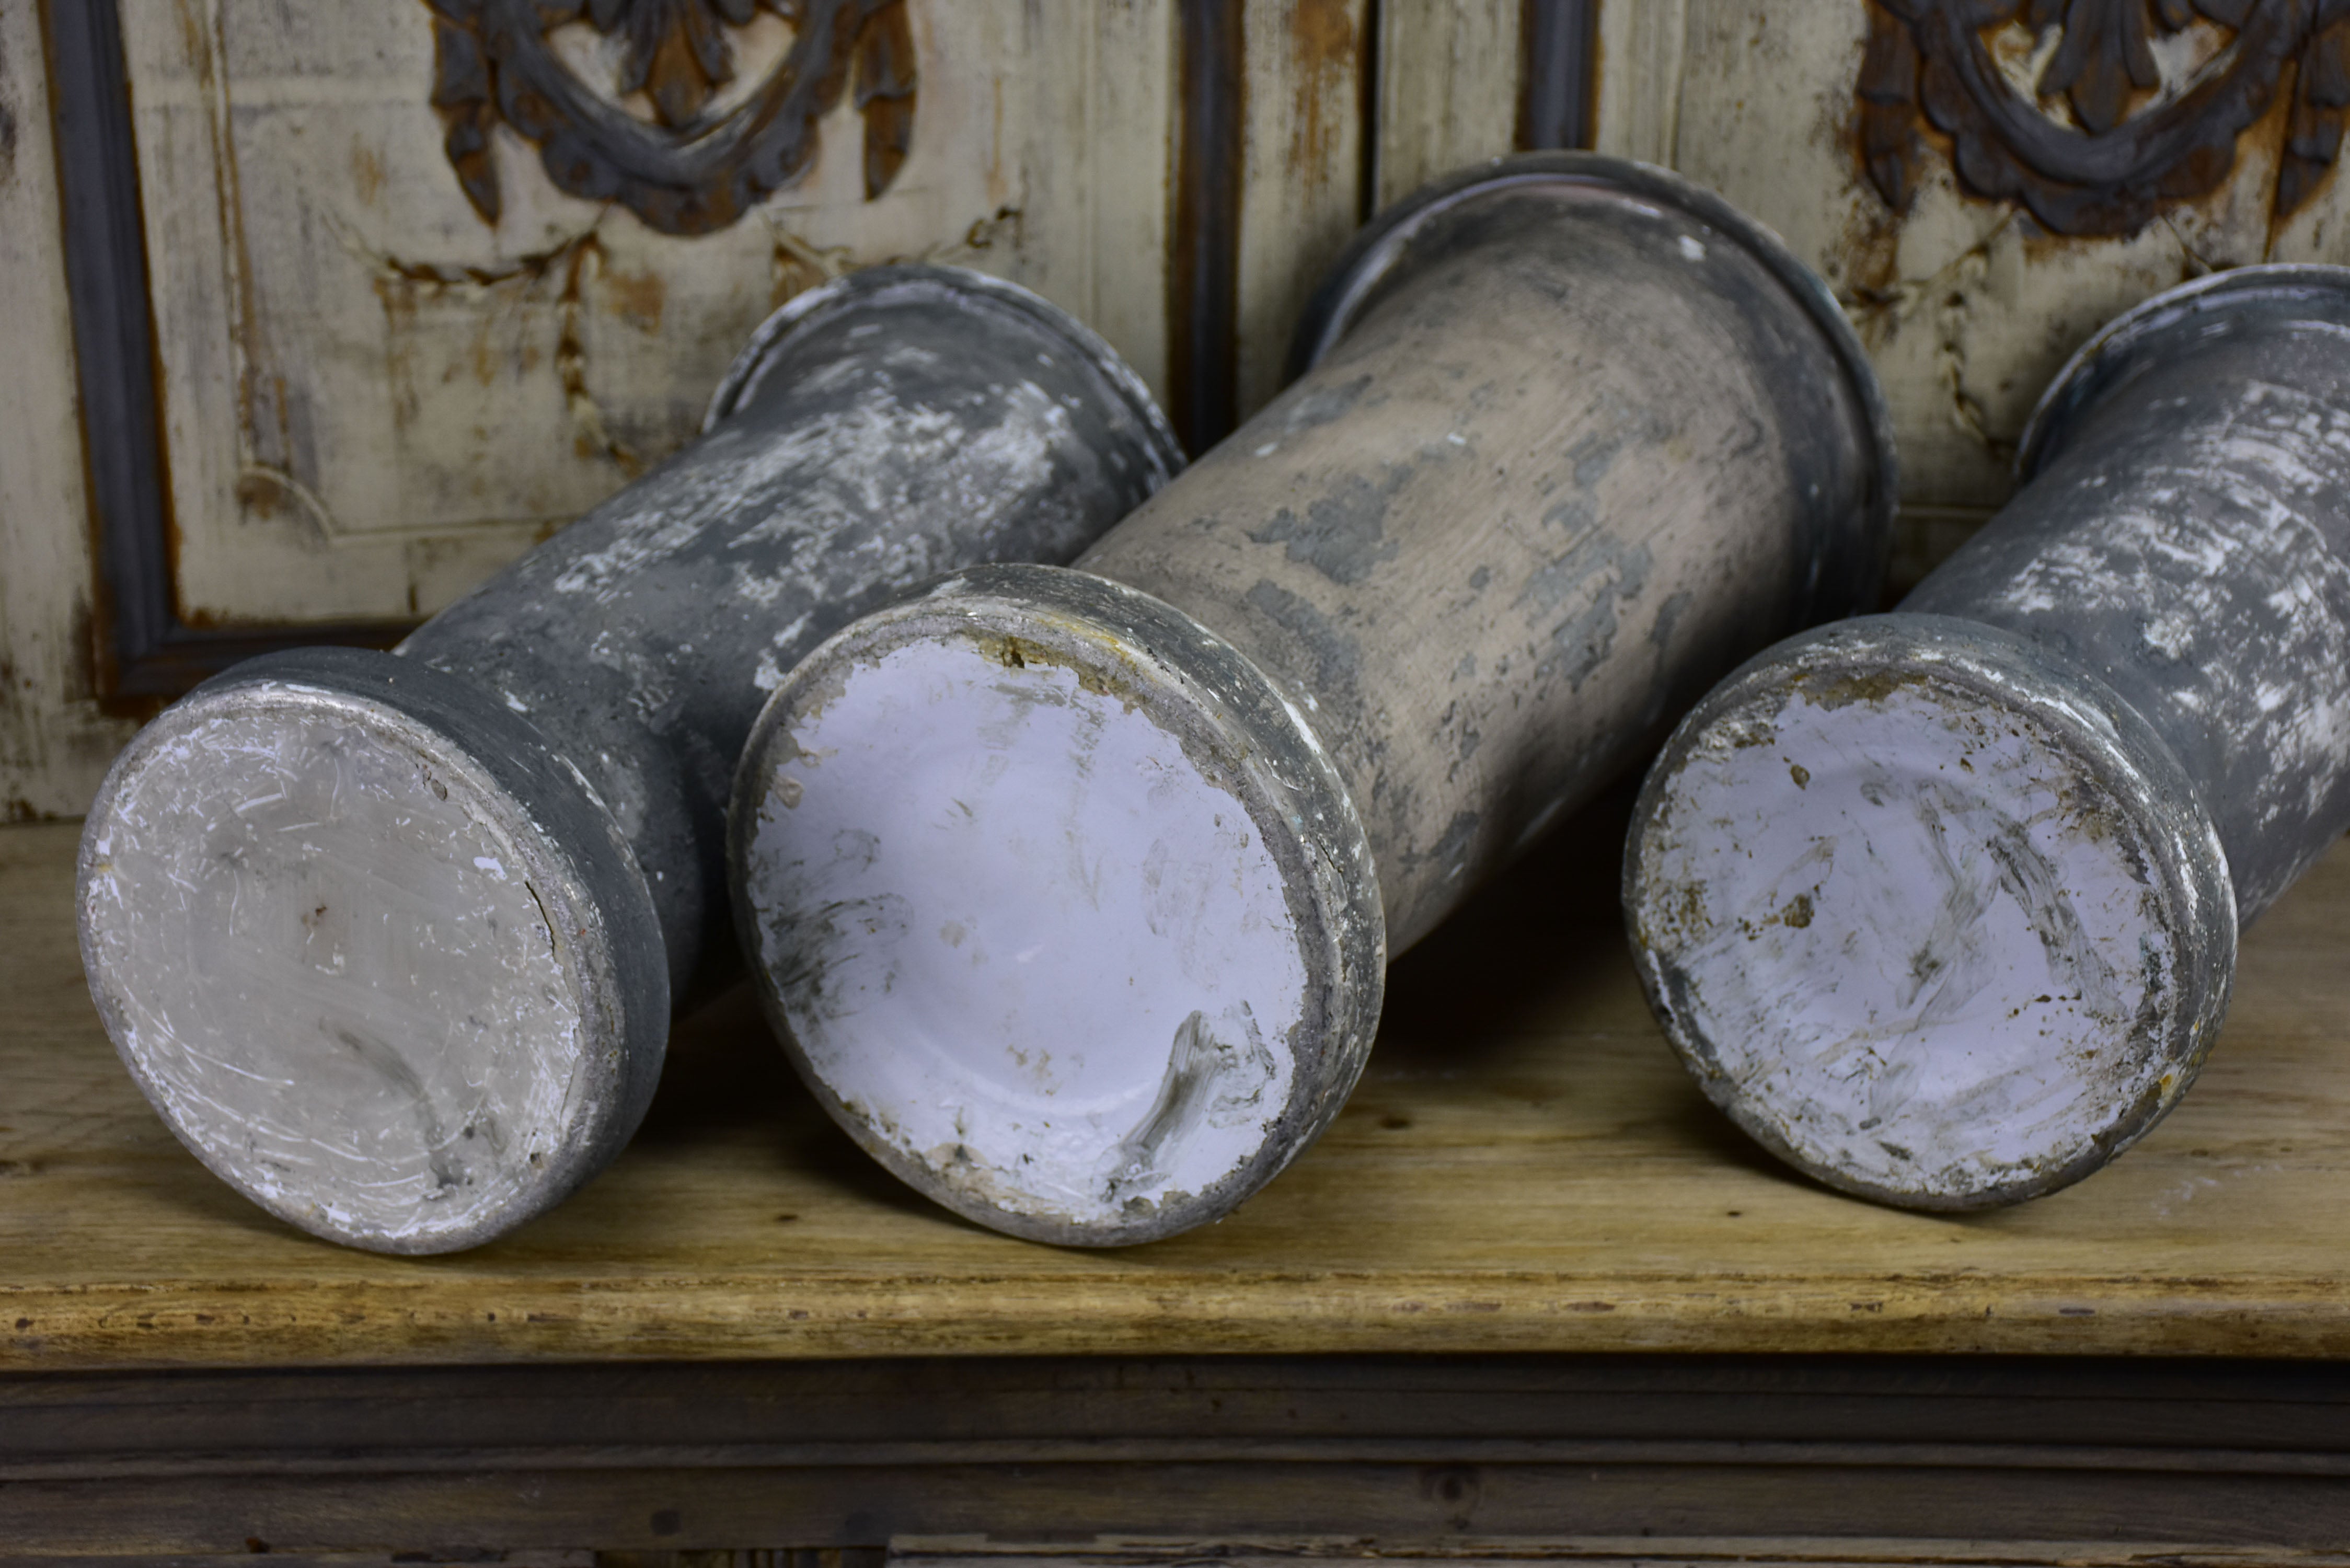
(1941, 906)
(391, 941)
(1071, 891)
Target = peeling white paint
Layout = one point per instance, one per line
(336, 992)
(1919, 936)
(1026, 940)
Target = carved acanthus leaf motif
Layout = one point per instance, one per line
(2112, 170)
(688, 170)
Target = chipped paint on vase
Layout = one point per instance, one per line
(391, 940)
(2028, 813)
(1569, 437)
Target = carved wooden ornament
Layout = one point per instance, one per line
(688, 169)
(2135, 145)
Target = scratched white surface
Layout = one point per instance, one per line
(1034, 947)
(348, 999)
(1917, 944)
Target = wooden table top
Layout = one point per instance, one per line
(1524, 1168)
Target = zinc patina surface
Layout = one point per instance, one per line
(1568, 436)
(1073, 889)
(372, 395)
(392, 942)
(1942, 905)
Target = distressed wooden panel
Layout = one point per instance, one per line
(373, 397)
(54, 742)
(1969, 302)
(1640, 88)
(1302, 170)
(1448, 82)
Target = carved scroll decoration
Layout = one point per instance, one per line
(688, 169)
(2131, 151)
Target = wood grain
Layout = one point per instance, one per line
(1523, 1168)
(621, 1506)
(54, 742)
(374, 399)
(1448, 73)
(1302, 170)
(1312, 1455)
(1636, 1552)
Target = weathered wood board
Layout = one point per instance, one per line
(403, 328)
(1970, 290)
(1301, 177)
(1448, 88)
(374, 395)
(54, 742)
(1524, 1168)
(1833, 124)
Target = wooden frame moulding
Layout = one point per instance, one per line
(147, 649)
(1438, 1451)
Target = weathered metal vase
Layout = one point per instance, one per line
(1941, 906)
(1071, 891)
(391, 941)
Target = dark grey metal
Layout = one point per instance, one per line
(1205, 251)
(1559, 42)
(2145, 660)
(107, 281)
(302, 887)
(1571, 437)
(2221, 410)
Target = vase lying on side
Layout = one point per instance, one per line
(1071, 891)
(1941, 906)
(391, 941)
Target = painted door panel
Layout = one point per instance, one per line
(374, 395)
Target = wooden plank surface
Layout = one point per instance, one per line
(1506, 1455)
(1524, 1168)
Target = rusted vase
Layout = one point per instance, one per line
(1071, 891)
(391, 941)
(1941, 906)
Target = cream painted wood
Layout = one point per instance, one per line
(1637, 99)
(1968, 306)
(1302, 170)
(1449, 80)
(54, 742)
(372, 398)
(1122, 168)
(1595, 1552)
